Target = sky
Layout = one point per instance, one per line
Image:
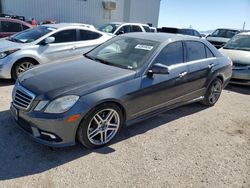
(204, 15)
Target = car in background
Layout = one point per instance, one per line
(13, 16)
(118, 28)
(183, 31)
(45, 44)
(9, 26)
(48, 21)
(238, 49)
(89, 100)
(221, 36)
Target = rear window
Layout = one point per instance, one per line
(186, 32)
(195, 51)
(10, 26)
(88, 35)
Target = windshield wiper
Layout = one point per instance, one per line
(14, 40)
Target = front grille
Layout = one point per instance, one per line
(22, 98)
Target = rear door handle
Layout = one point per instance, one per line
(211, 65)
(182, 74)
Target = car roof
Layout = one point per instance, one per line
(120, 23)
(63, 25)
(14, 20)
(160, 37)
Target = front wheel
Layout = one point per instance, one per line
(100, 126)
(213, 93)
(21, 67)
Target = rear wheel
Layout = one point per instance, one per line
(21, 67)
(100, 126)
(213, 93)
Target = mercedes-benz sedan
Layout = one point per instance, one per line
(124, 80)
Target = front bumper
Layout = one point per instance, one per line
(49, 129)
(241, 76)
(6, 66)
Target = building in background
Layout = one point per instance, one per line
(95, 12)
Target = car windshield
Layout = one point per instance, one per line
(124, 52)
(109, 28)
(239, 42)
(31, 35)
(225, 33)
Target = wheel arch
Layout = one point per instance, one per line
(22, 59)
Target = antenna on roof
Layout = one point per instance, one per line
(244, 25)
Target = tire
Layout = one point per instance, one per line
(213, 93)
(99, 128)
(21, 66)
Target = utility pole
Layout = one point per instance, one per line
(244, 24)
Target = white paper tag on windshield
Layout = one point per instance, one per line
(144, 47)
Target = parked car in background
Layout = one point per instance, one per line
(118, 28)
(13, 16)
(45, 44)
(221, 36)
(10, 26)
(47, 21)
(238, 49)
(183, 31)
(90, 99)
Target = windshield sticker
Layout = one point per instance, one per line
(144, 47)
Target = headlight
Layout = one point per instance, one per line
(8, 52)
(62, 104)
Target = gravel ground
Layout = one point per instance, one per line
(192, 146)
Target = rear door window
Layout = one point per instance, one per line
(209, 53)
(65, 36)
(171, 54)
(195, 50)
(88, 35)
(10, 27)
(136, 28)
(25, 27)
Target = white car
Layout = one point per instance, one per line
(118, 28)
(45, 44)
(238, 49)
(221, 36)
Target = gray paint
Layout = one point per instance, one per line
(89, 11)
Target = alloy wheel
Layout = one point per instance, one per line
(103, 126)
(24, 66)
(215, 92)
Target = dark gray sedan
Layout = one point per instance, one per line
(125, 80)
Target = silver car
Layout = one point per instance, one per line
(44, 44)
(238, 49)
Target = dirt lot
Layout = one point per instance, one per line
(191, 146)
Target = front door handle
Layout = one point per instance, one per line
(182, 74)
(211, 65)
(74, 47)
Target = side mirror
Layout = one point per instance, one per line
(120, 33)
(209, 35)
(49, 40)
(158, 69)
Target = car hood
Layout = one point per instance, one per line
(77, 77)
(218, 39)
(8, 45)
(237, 56)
